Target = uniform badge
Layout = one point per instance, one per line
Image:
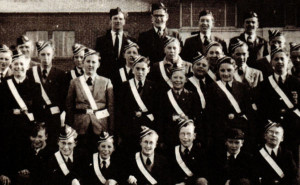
(138, 114)
(282, 110)
(231, 116)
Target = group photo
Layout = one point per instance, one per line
(145, 92)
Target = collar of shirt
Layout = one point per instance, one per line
(198, 80)
(19, 80)
(137, 82)
(269, 150)
(182, 148)
(282, 76)
(230, 83)
(48, 70)
(235, 155)
(93, 77)
(150, 157)
(202, 36)
(177, 91)
(162, 30)
(113, 34)
(78, 70)
(127, 69)
(70, 157)
(253, 36)
(106, 160)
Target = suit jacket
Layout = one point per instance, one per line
(224, 169)
(8, 74)
(221, 113)
(251, 77)
(152, 46)
(263, 170)
(160, 171)
(195, 161)
(113, 171)
(104, 98)
(194, 44)
(257, 50)
(109, 62)
(78, 169)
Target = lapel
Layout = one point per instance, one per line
(199, 45)
(123, 43)
(40, 73)
(154, 34)
(51, 75)
(242, 37)
(109, 39)
(96, 86)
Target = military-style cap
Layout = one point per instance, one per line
(271, 124)
(168, 40)
(198, 58)
(225, 60)
(115, 11)
(4, 48)
(157, 6)
(235, 133)
(235, 44)
(145, 131)
(16, 55)
(76, 48)
(105, 137)
(22, 40)
(274, 33)
(250, 14)
(276, 50)
(130, 44)
(139, 59)
(40, 45)
(211, 44)
(204, 13)
(294, 46)
(184, 122)
(89, 52)
(67, 132)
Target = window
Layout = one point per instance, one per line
(64, 40)
(36, 36)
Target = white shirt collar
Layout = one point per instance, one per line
(282, 76)
(127, 69)
(182, 148)
(48, 70)
(70, 157)
(93, 77)
(78, 70)
(156, 29)
(150, 157)
(253, 36)
(230, 83)
(5, 71)
(20, 80)
(198, 80)
(208, 34)
(235, 155)
(106, 160)
(270, 149)
(137, 82)
(114, 33)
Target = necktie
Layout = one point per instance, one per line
(81, 71)
(206, 42)
(140, 88)
(240, 71)
(69, 163)
(159, 32)
(116, 46)
(148, 164)
(44, 73)
(231, 159)
(177, 94)
(103, 166)
(228, 87)
(89, 81)
(273, 155)
(280, 81)
(130, 74)
(186, 152)
(249, 40)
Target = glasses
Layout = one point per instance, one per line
(276, 133)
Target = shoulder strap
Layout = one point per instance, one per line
(73, 74)
(143, 169)
(174, 103)
(164, 74)
(61, 163)
(271, 162)
(232, 100)
(38, 80)
(181, 163)
(212, 75)
(122, 74)
(97, 168)
(88, 93)
(202, 99)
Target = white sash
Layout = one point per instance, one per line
(232, 100)
(202, 99)
(271, 162)
(139, 100)
(122, 74)
(143, 169)
(18, 98)
(61, 163)
(181, 163)
(97, 168)
(286, 100)
(38, 80)
(164, 75)
(73, 74)
(88, 93)
(174, 103)
(212, 75)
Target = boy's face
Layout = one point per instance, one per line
(106, 149)
(187, 135)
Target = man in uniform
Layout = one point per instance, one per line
(257, 46)
(273, 164)
(111, 45)
(5, 61)
(151, 42)
(198, 42)
(26, 47)
(295, 58)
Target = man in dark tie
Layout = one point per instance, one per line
(25, 45)
(151, 42)
(111, 45)
(5, 61)
(197, 43)
(257, 46)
